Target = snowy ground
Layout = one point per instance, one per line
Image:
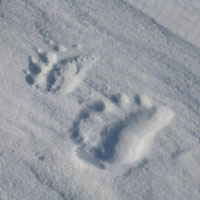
(99, 100)
(179, 16)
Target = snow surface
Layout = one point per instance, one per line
(179, 16)
(99, 100)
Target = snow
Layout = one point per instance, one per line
(99, 100)
(179, 16)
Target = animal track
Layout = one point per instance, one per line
(125, 139)
(49, 73)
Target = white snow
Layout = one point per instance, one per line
(99, 100)
(179, 16)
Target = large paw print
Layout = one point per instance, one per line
(104, 135)
(51, 72)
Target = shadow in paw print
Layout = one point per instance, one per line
(137, 100)
(43, 58)
(30, 80)
(56, 48)
(110, 138)
(98, 106)
(55, 80)
(115, 98)
(41, 158)
(76, 127)
(33, 68)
